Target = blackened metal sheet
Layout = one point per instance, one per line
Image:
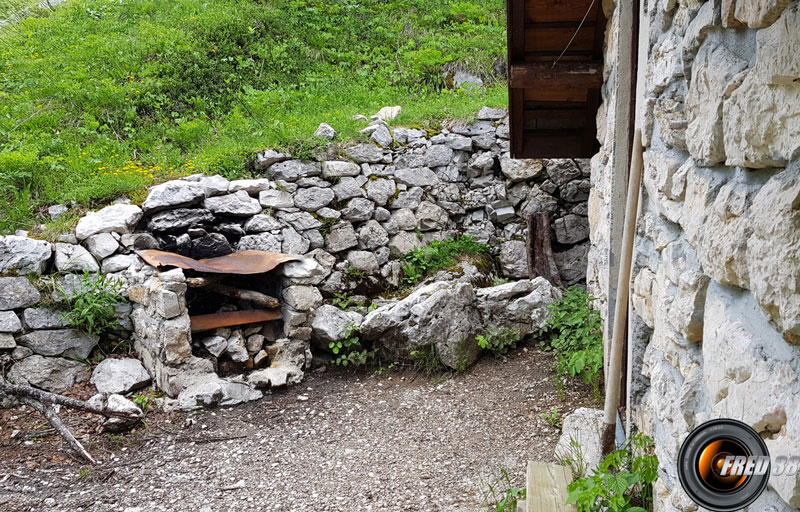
(232, 318)
(244, 262)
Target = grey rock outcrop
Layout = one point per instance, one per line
(117, 218)
(60, 342)
(74, 258)
(443, 314)
(119, 376)
(24, 255)
(172, 194)
(17, 292)
(49, 373)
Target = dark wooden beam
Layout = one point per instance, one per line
(540, 249)
(531, 75)
(560, 24)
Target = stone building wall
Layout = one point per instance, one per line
(715, 324)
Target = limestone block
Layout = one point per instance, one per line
(583, 426)
(513, 259)
(642, 297)
(341, 236)
(702, 186)
(49, 373)
(24, 255)
(658, 230)
(172, 194)
(768, 99)
(759, 13)
(664, 178)
(17, 292)
(712, 81)
(302, 298)
(751, 360)
(117, 218)
(175, 337)
(729, 14)
(665, 63)
(671, 117)
(696, 32)
(772, 250)
(441, 313)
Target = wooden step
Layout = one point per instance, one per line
(547, 487)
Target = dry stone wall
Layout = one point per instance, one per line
(352, 216)
(715, 293)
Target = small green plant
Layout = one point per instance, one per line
(574, 332)
(572, 457)
(83, 473)
(143, 401)
(623, 482)
(327, 225)
(306, 149)
(558, 382)
(437, 255)
(426, 360)
(498, 281)
(341, 300)
(92, 305)
(498, 342)
(552, 418)
(355, 271)
(500, 494)
(349, 350)
(390, 367)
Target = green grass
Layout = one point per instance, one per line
(99, 99)
(12, 8)
(438, 255)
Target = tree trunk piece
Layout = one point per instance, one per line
(540, 249)
(257, 298)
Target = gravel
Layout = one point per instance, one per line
(391, 440)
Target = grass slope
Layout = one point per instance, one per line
(100, 98)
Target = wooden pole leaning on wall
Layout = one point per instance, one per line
(614, 378)
(540, 249)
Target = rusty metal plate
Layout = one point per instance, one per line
(232, 318)
(245, 262)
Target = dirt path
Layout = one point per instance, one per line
(342, 441)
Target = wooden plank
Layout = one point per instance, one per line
(560, 24)
(549, 57)
(590, 144)
(556, 39)
(532, 114)
(515, 29)
(559, 10)
(547, 125)
(233, 318)
(547, 488)
(553, 144)
(516, 120)
(533, 75)
(566, 93)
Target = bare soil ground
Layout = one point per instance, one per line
(341, 441)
